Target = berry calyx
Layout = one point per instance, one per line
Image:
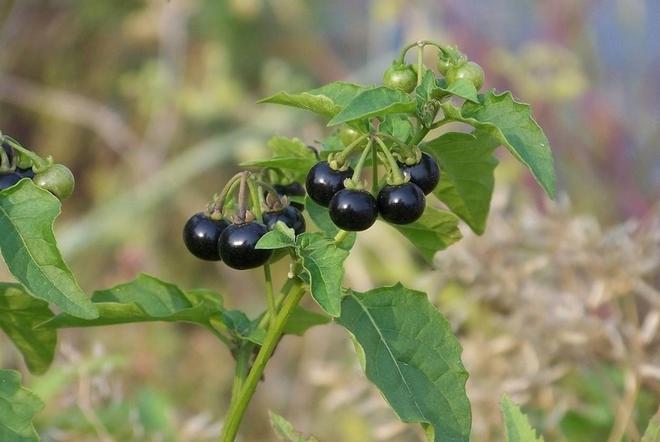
(289, 216)
(9, 179)
(425, 174)
(201, 234)
(323, 182)
(400, 76)
(57, 179)
(402, 203)
(353, 210)
(237, 246)
(293, 189)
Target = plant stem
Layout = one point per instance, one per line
(219, 202)
(397, 176)
(270, 297)
(420, 63)
(340, 236)
(344, 154)
(374, 169)
(275, 328)
(38, 162)
(357, 172)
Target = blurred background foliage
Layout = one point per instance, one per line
(151, 103)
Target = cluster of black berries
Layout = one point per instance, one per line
(211, 237)
(357, 210)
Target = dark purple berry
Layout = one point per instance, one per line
(353, 210)
(402, 203)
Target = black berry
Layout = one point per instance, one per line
(323, 182)
(9, 179)
(425, 174)
(353, 210)
(401, 204)
(289, 216)
(201, 235)
(237, 246)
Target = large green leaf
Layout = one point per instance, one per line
(434, 231)
(516, 425)
(327, 100)
(302, 319)
(323, 262)
(285, 430)
(377, 101)
(652, 433)
(20, 313)
(462, 88)
(321, 218)
(282, 236)
(412, 357)
(28, 246)
(466, 183)
(146, 299)
(512, 123)
(18, 406)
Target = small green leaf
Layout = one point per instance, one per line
(516, 425)
(427, 105)
(285, 430)
(652, 433)
(512, 123)
(302, 319)
(20, 313)
(327, 100)
(290, 148)
(467, 181)
(146, 299)
(377, 101)
(18, 406)
(301, 165)
(434, 231)
(323, 263)
(29, 248)
(462, 88)
(282, 236)
(412, 357)
(399, 127)
(321, 218)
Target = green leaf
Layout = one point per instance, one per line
(397, 126)
(285, 430)
(377, 101)
(652, 433)
(146, 299)
(462, 88)
(321, 218)
(282, 236)
(290, 148)
(512, 123)
(467, 181)
(29, 248)
(18, 406)
(434, 231)
(412, 357)
(427, 105)
(301, 165)
(302, 319)
(327, 100)
(323, 263)
(516, 425)
(20, 313)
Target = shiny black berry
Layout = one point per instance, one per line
(237, 246)
(9, 179)
(353, 210)
(323, 182)
(289, 216)
(293, 189)
(401, 204)
(425, 174)
(201, 235)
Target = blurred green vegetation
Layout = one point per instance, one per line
(151, 103)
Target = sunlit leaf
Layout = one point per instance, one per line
(18, 406)
(377, 101)
(516, 425)
(327, 100)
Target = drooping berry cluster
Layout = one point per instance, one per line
(401, 200)
(17, 162)
(215, 235)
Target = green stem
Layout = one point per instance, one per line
(219, 202)
(357, 172)
(39, 164)
(406, 148)
(340, 236)
(397, 175)
(374, 169)
(270, 297)
(420, 63)
(275, 329)
(421, 133)
(344, 154)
